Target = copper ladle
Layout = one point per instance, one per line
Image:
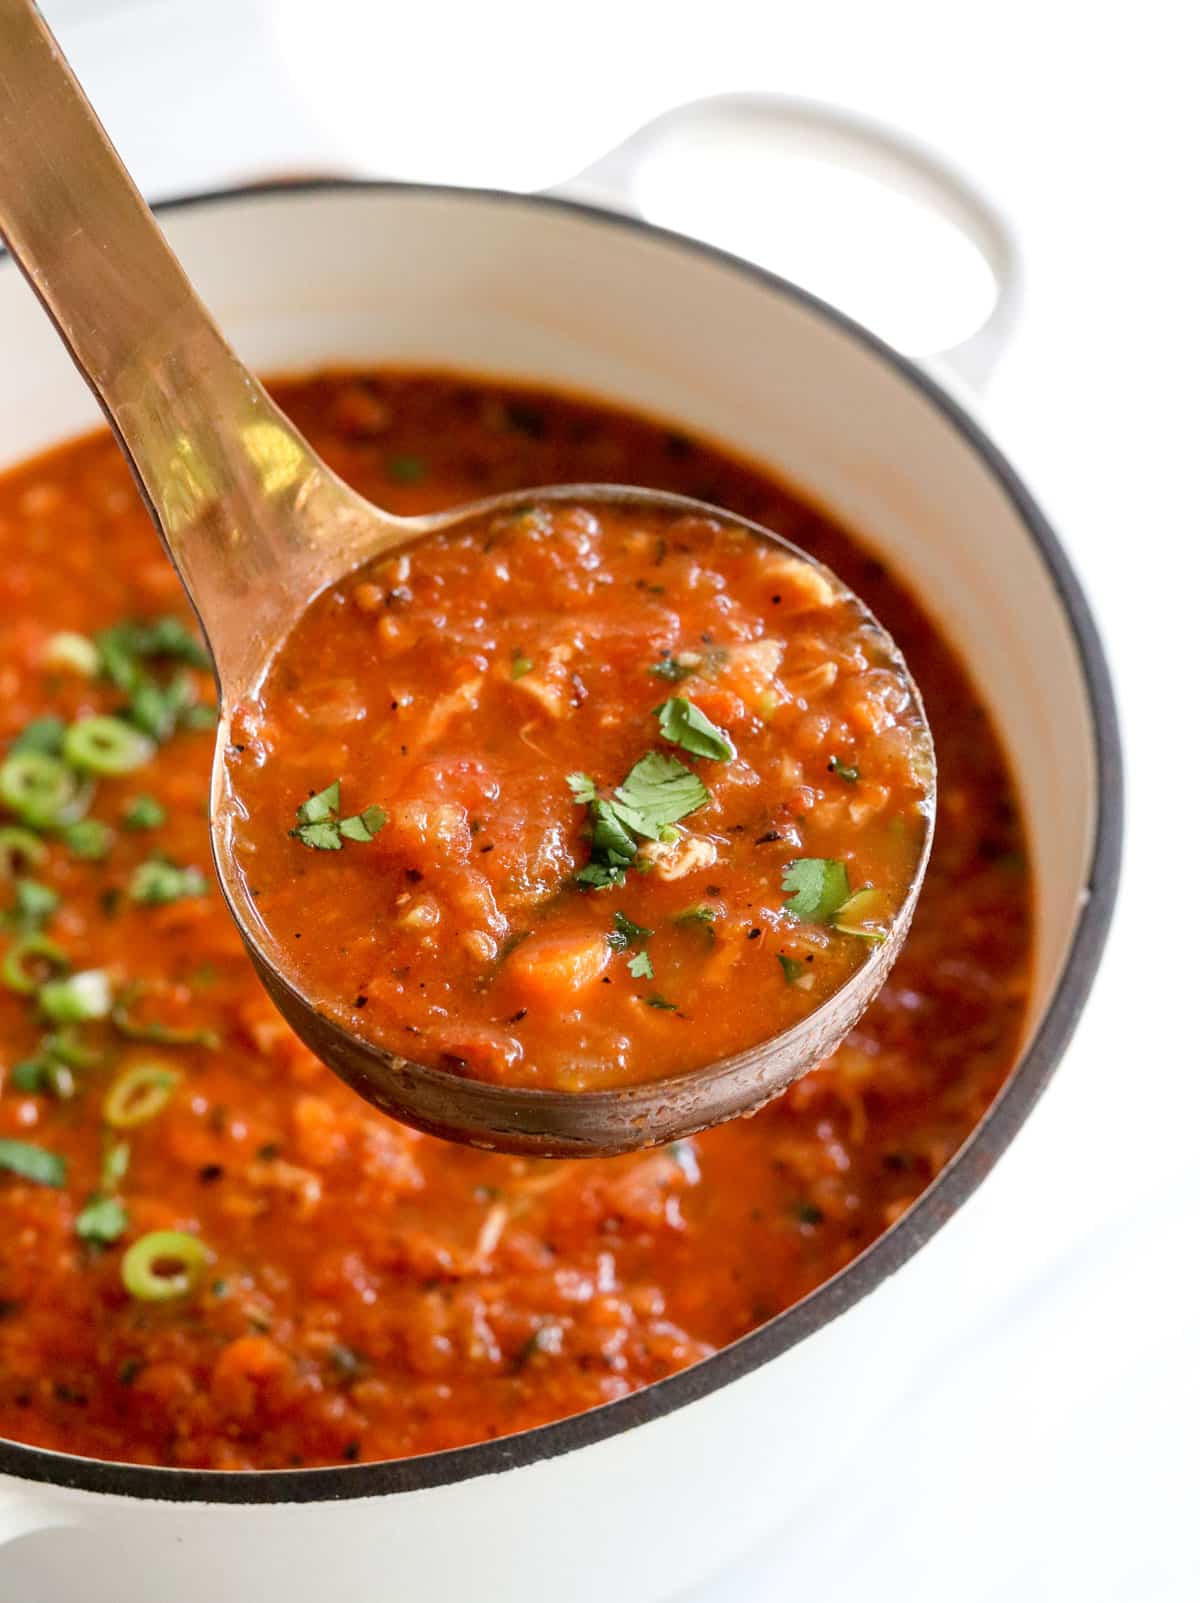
(257, 526)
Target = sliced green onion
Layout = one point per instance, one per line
(20, 968)
(19, 848)
(32, 1163)
(104, 745)
(151, 1030)
(78, 997)
(41, 790)
(164, 1265)
(75, 653)
(138, 1094)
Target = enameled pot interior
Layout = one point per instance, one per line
(558, 295)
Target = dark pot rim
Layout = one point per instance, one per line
(936, 1205)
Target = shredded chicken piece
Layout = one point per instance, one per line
(802, 584)
(674, 859)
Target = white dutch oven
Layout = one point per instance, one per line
(641, 1498)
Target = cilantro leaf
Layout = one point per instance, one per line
(685, 725)
(700, 914)
(659, 790)
(672, 669)
(582, 788)
(661, 1002)
(144, 812)
(44, 735)
(321, 828)
(102, 1220)
(521, 665)
(34, 1163)
(325, 804)
(89, 840)
(792, 968)
(640, 966)
(156, 883)
(819, 886)
(363, 826)
(626, 932)
(322, 837)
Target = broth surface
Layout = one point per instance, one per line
(362, 1291)
(579, 796)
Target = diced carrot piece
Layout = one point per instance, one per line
(564, 960)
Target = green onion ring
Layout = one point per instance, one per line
(138, 1094)
(163, 1265)
(19, 848)
(108, 746)
(42, 790)
(14, 970)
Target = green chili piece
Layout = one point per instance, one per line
(108, 746)
(138, 1094)
(163, 1265)
(18, 970)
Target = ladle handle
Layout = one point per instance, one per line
(217, 462)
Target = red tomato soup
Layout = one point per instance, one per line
(440, 874)
(211, 1252)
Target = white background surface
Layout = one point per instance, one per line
(1049, 1447)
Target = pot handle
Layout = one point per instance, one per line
(854, 141)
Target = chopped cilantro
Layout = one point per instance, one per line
(156, 882)
(819, 886)
(31, 1162)
(325, 804)
(324, 831)
(34, 904)
(843, 770)
(582, 787)
(144, 812)
(43, 735)
(102, 1220)
(660, 791)
(792, 968)
(640, 966)
(700, 914)
(521, 665)
(685, 725)
(661, 1002)
(670, 668)
(89, 840)
(626, 932)
(656, 793)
